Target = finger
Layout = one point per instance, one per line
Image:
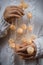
(22, 54)
(20, 10)
(12, 16)
(15, 12)
(15, 8)
(29, 58)
(22, 49)
(22, 57)
(23, 44)
(12, 6)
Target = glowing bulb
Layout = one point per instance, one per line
(20, 31)
(29, 15)
(12, 27)
(11, 43)
(23, 5)
(30, 28)
(30, 50)
(24, 40)
(33, 37)
(24, 27)
(29, 41)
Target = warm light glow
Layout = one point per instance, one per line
(29, 15)
(20, 31)
(29, 41)
(13, 27)
(24, 40)
(30, 50)
(33, 37)
(24, 27)
(23, 5)
(30, 28)
(11, 43)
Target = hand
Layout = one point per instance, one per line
(21, 50)
(12, 12)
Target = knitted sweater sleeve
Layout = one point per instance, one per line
(4, 26)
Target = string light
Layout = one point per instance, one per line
(20, 31)
(29, 15)
(13, 27)
(30, 50)
(30, 28)
(11, 43)
(23, 26)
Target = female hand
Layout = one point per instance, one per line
(23, 51)
(12, 12)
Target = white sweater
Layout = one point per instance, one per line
(6, 53)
